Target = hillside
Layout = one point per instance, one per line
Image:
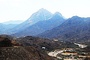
(28, 48)
(48, 44)
(22, 53)
(11, 49)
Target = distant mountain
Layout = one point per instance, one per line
(41, 26)
(1, 27)
(40, 15)
(73, 29)
(13, 22)
(6, 26)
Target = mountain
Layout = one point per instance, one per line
(13, 22)
(40, 15)
(1, 27)
(6, 27)
(9, 26)
(73, 29)
(41, 26)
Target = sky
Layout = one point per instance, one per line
(23, 9)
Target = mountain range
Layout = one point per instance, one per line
(42, 26)
(40, 15)
(53, 26)
(38, 22)
(13, 22)
(73, 29)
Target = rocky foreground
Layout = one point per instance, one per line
(22, 53)
(10, 49)
(35, 48)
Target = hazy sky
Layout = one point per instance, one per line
(22, 9)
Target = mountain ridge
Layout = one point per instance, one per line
(42, 26)
(73, 29)
(35, 17)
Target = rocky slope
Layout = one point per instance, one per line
(22, 53)
(11, 49)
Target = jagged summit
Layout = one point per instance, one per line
(41, 14)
